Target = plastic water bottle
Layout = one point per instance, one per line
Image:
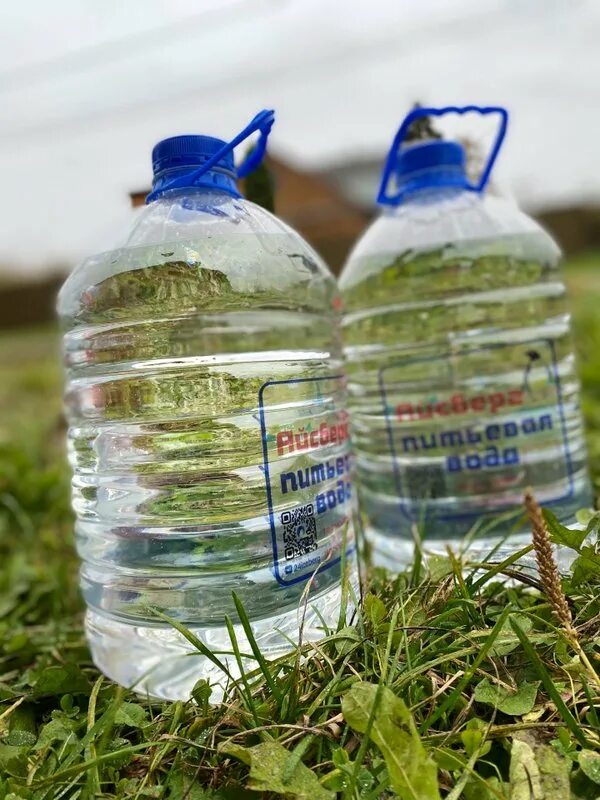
(461, 376)
(207, 429)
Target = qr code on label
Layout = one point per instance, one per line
(299, 531)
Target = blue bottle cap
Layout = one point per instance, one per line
(435, 163)
(182, 158)
(432, 164)
(190, 151)
(183, 162)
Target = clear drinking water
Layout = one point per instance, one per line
(207, 435)
(462, 382)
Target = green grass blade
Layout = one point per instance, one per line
(498, 568)
(449, 702)
(549, 686)
(105, 758)
(247, 692)
(196, 642)
(261, 660)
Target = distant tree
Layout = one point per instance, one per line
(422, 128)
(476, 157)
(259, 186)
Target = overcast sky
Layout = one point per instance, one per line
(88, 86)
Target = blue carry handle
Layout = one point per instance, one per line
(384, 198)
(262, 122)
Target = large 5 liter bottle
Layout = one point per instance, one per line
(462, 381)
(207, 431)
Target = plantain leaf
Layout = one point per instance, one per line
(537, 770)
(377, 710)
(131, 714)
(560, 534)
(374, 608)
(516, 703)
(507, 640)
(554, 770)
(524, 774)
(270, 771)
(589, 761)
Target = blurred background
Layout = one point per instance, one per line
(87, 88)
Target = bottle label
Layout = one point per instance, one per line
(308, 475)
(490, 420)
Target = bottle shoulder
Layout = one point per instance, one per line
(465, 224)
(186, 216)
(248, 249)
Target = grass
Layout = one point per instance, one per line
(448, 683)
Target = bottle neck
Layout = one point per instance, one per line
(441, 178)
(426, 195)
(182, 180)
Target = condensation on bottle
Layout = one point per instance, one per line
(207, 429)
(462, 383)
